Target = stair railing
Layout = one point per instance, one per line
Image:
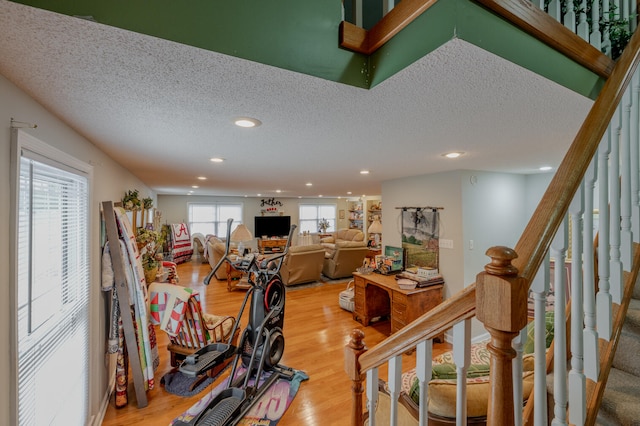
(522, 13)
(591, 20)
(499, 297)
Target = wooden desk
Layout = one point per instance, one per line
(268, 246)
(379, 295)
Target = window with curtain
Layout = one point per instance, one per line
(311, 215)
(212, 218)
(52, 288)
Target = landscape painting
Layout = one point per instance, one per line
(420, 235)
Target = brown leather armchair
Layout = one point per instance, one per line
(302, 264)
(348, 256)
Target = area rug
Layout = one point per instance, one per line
(266, 412)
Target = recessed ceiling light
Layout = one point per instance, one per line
(202, 178)
(545, 168)
(247, 122)
(455, 154)
(348, 192)
(278, 191)
(216, 160)
(309, 184)
(195, 186)
(259, 195)
(364, 172)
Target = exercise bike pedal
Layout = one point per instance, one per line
(205, 359)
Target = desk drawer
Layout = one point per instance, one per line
(396, 325)
(398, 310)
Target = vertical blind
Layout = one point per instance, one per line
(52, 293)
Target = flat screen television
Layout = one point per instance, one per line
(272, 226)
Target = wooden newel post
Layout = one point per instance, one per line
(501, 305)
(352, 352)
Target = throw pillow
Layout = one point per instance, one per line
(529, 346)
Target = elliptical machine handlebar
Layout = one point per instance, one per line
(249, 264)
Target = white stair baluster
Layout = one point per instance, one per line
(372, 395)
(570, 17)
(554, 9)
(626, 235)
(424, 360)
(387, 6)
(583, 26)
(539, 290)
(591, 348)
(606, 39)
(462, 359)
(558, 253)
(358, 13)
(577, 381)
(394, 383)
(615, 270)
(634, 135)
(595, 38)
(516, 368)
(603, 298)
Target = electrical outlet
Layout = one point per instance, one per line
(446, 244)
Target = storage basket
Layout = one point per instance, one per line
(346, 297)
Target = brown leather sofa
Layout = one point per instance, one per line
(302, 264)
(347, 256)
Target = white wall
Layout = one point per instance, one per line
(110, 181)
(494, 214)
(489, 208)
(436, 190)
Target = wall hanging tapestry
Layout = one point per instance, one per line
(420, 236)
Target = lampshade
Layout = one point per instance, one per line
(375, 227)
(241, 234)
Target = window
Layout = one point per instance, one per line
(52, 280)
(312, 214)
(212, 218)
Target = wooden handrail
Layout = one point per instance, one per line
(439, 319)
(521, 13)
(552, 209)
(539, 24)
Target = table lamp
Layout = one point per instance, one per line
(241, 235)
(376, 229)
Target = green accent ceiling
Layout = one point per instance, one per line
(302, 36)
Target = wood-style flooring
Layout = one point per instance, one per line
(316, 330)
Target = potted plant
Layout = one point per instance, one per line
(323, 224)
(149, 243)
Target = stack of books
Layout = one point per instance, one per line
(422, 281)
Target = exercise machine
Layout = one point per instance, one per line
(261, 344)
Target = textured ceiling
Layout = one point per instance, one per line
(163, 109)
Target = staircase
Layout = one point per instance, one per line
(595, 360)
(621, 400)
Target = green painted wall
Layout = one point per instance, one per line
(302, 36)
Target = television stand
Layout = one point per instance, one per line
(271, 245)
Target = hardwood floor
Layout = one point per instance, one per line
(316, 330)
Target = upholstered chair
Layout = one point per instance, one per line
(346, 257)
(302, 264)
(215, 251)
